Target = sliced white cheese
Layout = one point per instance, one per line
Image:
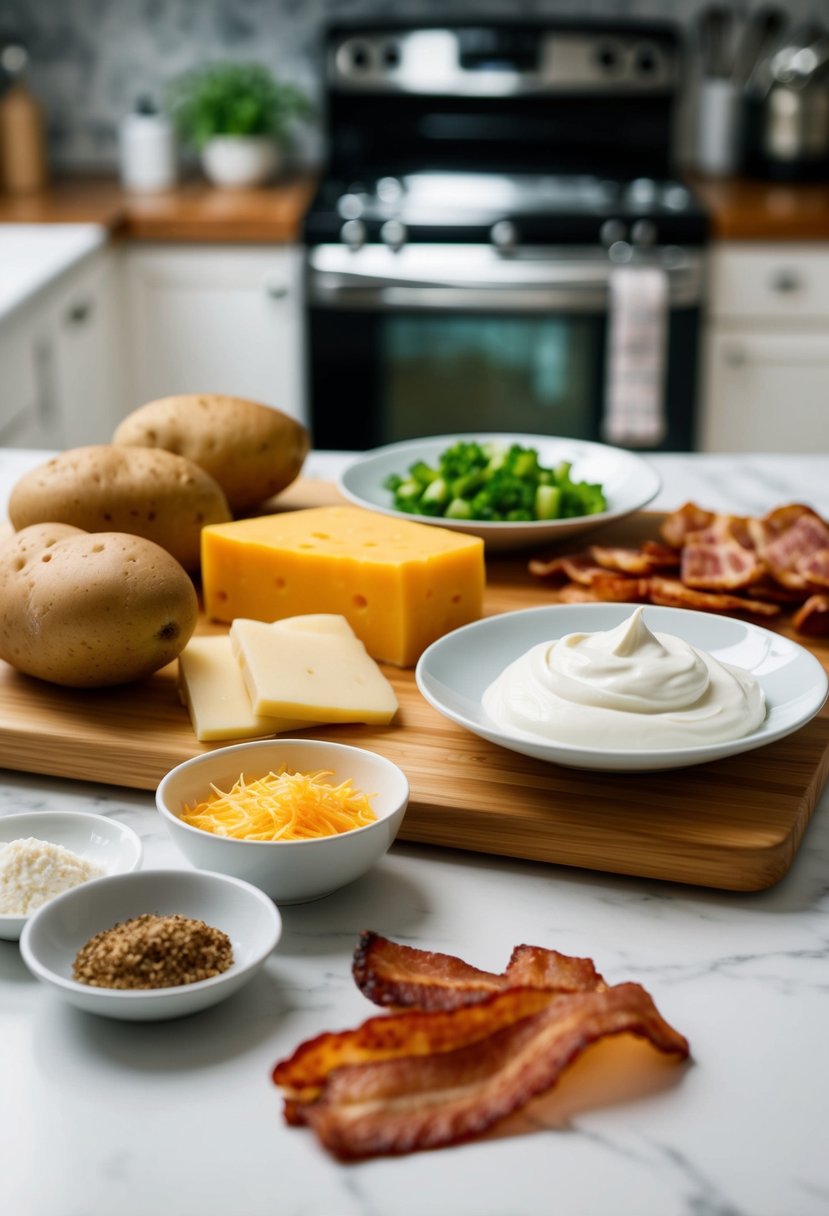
(211, 686)
(312, 667)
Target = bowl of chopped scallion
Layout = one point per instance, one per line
(514, 491)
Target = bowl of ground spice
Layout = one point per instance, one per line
(151, 945)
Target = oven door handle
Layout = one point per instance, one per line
(564, 289)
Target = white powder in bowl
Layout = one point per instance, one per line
(34, 871)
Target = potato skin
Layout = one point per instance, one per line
(162, 497)
(251, 450)
(89, 610)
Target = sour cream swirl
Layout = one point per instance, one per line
(625, 688)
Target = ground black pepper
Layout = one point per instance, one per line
(152, 951)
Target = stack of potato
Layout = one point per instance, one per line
(95, 585)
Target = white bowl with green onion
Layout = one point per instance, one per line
(550, 489)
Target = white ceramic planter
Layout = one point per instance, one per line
(236, 161)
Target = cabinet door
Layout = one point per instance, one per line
(85, 340)
(216, 320)
(767, 392)
(30, 415)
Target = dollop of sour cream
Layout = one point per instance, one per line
(625, 688)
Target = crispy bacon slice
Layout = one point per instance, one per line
(389, 973)
(575, 593)
(673, 593)
(791, 548)
(721, 557)
(406, 1104)
(815, 568)
(775, 522)
(619, 589)
(688, 518)
(813, 617)
(646, 560)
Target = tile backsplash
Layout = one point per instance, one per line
(91, 59)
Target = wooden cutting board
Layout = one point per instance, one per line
(735, 824)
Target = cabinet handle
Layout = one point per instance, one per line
(79, 312)
(276, 291)
(785, 281)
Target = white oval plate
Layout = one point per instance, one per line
(628, 481)
(98, 838)
(453, 673)
(55, 933)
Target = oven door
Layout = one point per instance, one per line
(436, 339)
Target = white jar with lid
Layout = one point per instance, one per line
(147, 150)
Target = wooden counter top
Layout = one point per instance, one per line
(194, 211)
(743, 210)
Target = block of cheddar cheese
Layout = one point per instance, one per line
(312, 667)
(399, 584)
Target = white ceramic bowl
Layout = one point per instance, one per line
(94, 837)
(629, 483)
(291, 871)
(453, 673)
(55, 934)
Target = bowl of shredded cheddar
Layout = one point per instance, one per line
(298, 818)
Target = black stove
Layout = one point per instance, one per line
(516, 135)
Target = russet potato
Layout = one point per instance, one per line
(251, 450)
(151, 493)
(88, 610)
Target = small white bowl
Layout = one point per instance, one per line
(56, 932)
(291, 871)
(94, 837)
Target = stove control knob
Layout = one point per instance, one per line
(350, 206)
(353, 233)
(504, 235)
(612, 231)
(642, 192)
(644, 232)
(393, 234)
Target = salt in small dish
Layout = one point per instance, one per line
(56, 932)
(95, 838)
(290, 871)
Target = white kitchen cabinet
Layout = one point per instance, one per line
(59, 361)
(767, 350)
(219, 319)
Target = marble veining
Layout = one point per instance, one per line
(98, 1117)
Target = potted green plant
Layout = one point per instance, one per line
(239, 117)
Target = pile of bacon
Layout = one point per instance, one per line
(715, 563)
(463, 1049)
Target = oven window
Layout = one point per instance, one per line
(535, 374)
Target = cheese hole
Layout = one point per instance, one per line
(321, 535)
(221, 596)
(360, 601)
(456, 599)
(46, 557)
(369, 544)
(305, 546)
(279, 583)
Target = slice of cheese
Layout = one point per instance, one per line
(311, 667)
(399, 584)
(211, 686)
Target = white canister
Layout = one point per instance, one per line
(147, 150)
(718, 130)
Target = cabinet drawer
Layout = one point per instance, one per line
(776, 282)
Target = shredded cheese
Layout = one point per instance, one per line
(282, 806)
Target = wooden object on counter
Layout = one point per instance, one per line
(22, 142)
(744, 210)
(193, 211)
(735, 824)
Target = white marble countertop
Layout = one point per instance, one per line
(34, 255)
(181, 1118)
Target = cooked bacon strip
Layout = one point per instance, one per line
(578, 567)
(786, 554)
(574, 593)
(635, 561)
(769, 589)
(775, 522)
(389, 973)
(721, 557)
(813, 617)
(412, 1033)
(548, 567)
(815, 568)
(619, 589)
(688, 518)
(412, 1103)
(672, 593)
